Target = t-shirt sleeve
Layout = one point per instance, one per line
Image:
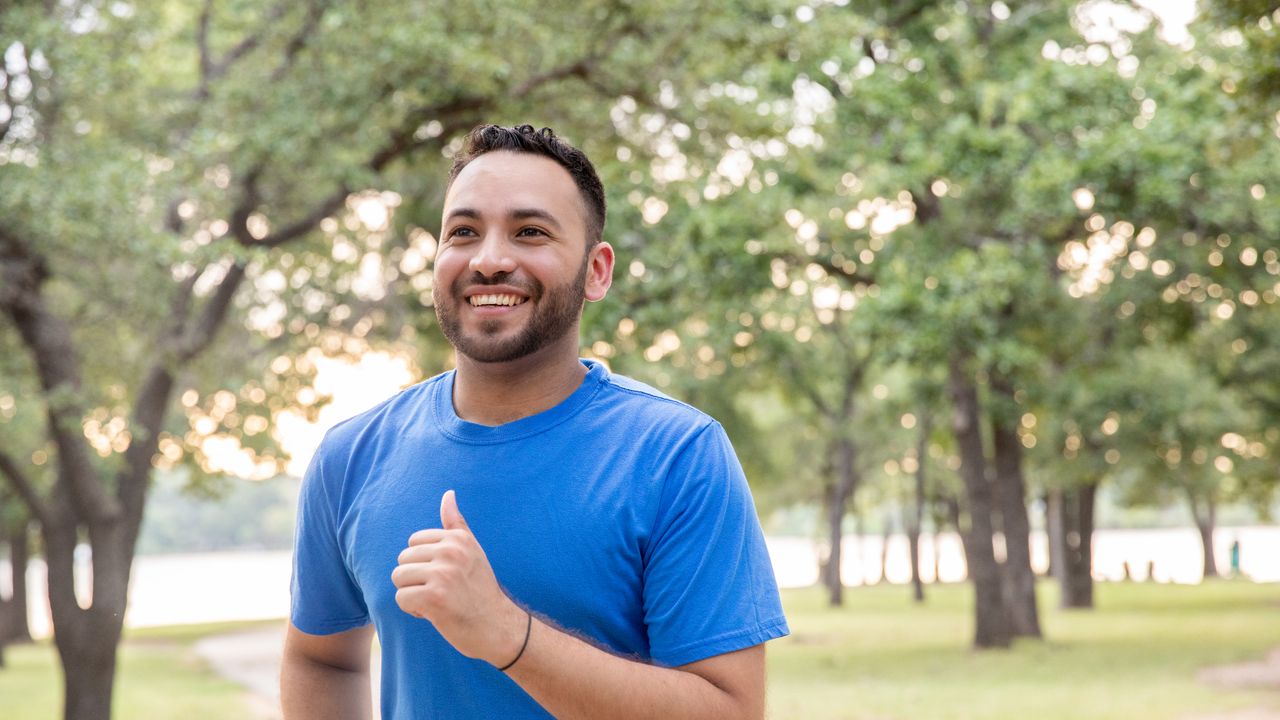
(324, 597)
(709, 586)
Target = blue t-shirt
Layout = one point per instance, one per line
(620, 514)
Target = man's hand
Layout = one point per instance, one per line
(444, 577)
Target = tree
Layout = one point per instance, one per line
(227, 210)
(16, 536)
(985, 182)
(1191, 241)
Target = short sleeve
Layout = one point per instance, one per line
(324, 597)
(709, 587)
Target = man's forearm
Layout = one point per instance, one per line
(573, 679)
(311, 690)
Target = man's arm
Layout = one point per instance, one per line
(445, 577)
(326, 677)
(573, 679)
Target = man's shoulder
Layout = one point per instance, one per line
(643, 401)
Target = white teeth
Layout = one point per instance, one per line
(479, 300)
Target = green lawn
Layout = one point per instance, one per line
(159, 678)
(1135, 657)
(880, 657)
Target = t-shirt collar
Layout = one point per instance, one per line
(450, 424)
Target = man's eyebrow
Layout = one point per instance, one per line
(516, 214)
(535, 213)
(462, 212)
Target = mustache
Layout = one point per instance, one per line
(532, 288)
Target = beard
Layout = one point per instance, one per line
(554, 312)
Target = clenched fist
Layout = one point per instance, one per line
(445, 578)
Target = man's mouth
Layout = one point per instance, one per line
(495, 300)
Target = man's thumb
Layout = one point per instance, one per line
(450, 516)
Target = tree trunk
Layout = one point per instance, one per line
(824, 563)
(1019, 580)
(14, 625)
(89, 678)
(916, 518)
(1075, 563)
(991, 623)
(1053, 531)
(913, 548)
(884, 550)
(840, 493)
(1205, 512)
(87, 638)
(950, 506)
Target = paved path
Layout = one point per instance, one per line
(252, 659)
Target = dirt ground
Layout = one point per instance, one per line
(1258, 675)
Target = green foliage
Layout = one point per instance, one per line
(807, 202)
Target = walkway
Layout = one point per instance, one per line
(251, 658)
(1258, 675)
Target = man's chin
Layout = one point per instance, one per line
(491, 350)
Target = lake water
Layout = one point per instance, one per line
(249, 585)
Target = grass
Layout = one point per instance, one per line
(880, 657)
(1134, 657)
(159, 677)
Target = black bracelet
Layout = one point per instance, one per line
(528, 628)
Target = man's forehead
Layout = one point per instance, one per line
(504, 181)
(504, 167)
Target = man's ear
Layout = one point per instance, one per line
(599, 271)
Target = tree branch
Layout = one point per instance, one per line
(249, 199)
(797, 374)
(580, 69)
(152, 402)
(454, 114)
(213, 70)
(400, 144)
(180, 307)
(196, 339)
(248, 44)
(52, 348)
(19, 482)
(149, 410)
(307, 222)
(852, 381)
(202, 43)
(298, 42)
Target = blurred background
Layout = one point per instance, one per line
(984, 293)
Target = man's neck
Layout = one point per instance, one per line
(497, 393)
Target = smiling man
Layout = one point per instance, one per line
(529, 535)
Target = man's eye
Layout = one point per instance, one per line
(530, 232)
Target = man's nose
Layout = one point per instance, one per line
(493, 256)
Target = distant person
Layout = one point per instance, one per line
(529, 535)
(1235, 557)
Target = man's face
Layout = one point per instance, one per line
(513, 270)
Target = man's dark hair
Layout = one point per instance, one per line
(524, 139)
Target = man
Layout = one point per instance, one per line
(529, 534)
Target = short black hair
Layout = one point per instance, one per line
(524, 139)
